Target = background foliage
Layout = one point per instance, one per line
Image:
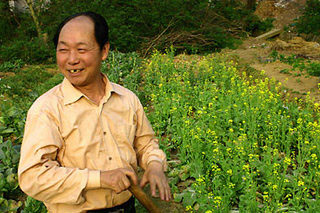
(138, 25)
(309, 22)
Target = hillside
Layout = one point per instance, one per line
(270, 55)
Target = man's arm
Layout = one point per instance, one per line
(150, 157)
(40, 174)
(157, 179)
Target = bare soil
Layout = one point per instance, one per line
(283, 11)
(256, 53)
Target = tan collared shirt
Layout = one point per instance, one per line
(68, 140)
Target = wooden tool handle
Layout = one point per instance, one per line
(144, 199)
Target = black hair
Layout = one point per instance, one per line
(100, 27)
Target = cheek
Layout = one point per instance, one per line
(60, 59)
(91, 60)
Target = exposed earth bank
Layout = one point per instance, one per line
(258, 53)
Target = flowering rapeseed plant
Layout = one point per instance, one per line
(247, 147)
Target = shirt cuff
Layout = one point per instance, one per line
(154, 158)
(93, 179)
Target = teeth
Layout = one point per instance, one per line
(74, 71)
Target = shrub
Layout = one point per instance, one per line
(309, 22)
(11, 66)
(194, 27)
(7, 23)
(257, 26)
(32, 205)
(33, 51)
(314, 69)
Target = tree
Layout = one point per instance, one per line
(34, 16)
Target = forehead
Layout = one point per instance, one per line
(78, 29)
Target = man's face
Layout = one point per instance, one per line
(78, 53)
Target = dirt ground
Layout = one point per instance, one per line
(256, 53)
(284, 11)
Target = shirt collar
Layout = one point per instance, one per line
(71, 94)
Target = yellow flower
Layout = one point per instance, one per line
(200, 179)
(300, 183)
(246, 167)
(287, 160)
(231, 185)
(188, 208)
(314, 157)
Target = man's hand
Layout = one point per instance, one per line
(155, 176)
(118, 179)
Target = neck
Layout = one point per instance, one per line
(94, 91)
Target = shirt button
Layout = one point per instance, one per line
(110, 158)
(104, 133)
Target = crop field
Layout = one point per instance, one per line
(233, 141)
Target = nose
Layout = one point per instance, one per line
(73, 58)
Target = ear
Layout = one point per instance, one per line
(105, 51)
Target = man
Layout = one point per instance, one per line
(85, 137)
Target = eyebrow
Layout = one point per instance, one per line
(79, 43)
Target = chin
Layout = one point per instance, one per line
(76, 82)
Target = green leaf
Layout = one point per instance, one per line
(178, 197)
(184, 176)
(6, 130)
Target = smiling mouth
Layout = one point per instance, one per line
(75, 70)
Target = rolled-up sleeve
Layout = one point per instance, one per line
(40, 174)
(146, 145)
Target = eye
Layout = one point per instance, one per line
(62, 50)
(81, 50)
